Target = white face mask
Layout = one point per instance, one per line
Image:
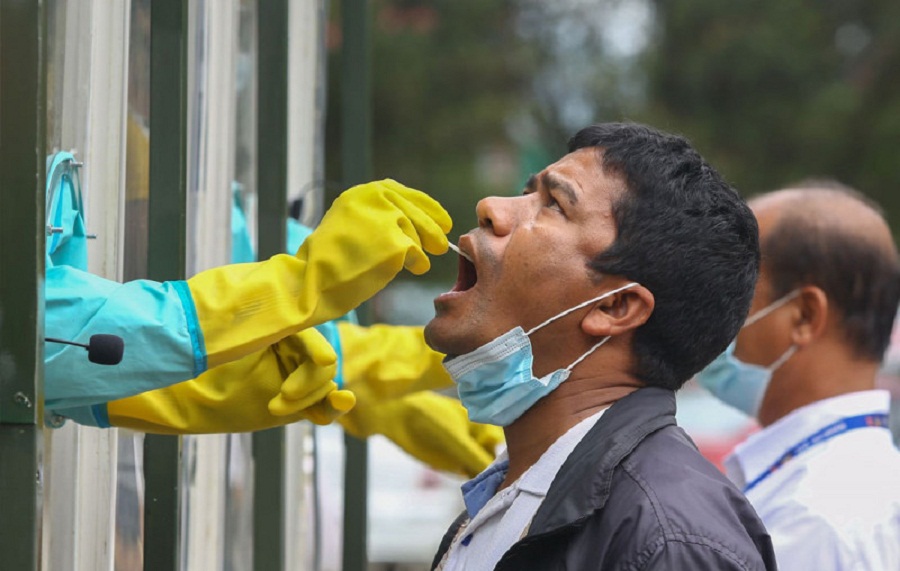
(496, 382)
(739, 384)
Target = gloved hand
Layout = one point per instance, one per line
(433, 428)
(235, 397)
(391, 360)
(383, 363)
(369, 234)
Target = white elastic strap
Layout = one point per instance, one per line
(589, 351)
(770, 308)
(781, 360)
(579, 306)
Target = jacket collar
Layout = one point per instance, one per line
(582, 484)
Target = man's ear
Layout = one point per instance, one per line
(811, 316)
(619, 313)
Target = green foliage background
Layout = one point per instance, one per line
(470, 96)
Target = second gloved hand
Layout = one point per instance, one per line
(382, 365)
(236, 396)
(369, 234)
(433, 428)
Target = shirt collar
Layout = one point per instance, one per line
(536, 480)
(477, 491)
(763, 448)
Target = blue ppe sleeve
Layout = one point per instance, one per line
(157, 321)
(241, 248)
(329, 331)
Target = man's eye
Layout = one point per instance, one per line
(553, 203)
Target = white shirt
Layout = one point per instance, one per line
(836, 505)
(499, 522)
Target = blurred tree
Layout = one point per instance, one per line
(471, 96)
(448, 76)
(776, 90)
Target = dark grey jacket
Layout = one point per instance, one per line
(635, 494)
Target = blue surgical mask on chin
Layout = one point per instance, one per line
(496, 381)
(739, 384)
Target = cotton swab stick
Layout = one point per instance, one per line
(456, 249)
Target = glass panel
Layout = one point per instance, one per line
(130, 502)
(130, 491)
(239, 504)
(238, 554)
(137, 158)
(56, 50)
(245, 114)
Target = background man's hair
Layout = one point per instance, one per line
(860, 276)
(687, 236)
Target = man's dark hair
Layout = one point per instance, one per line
(686, 235)
(860, 275)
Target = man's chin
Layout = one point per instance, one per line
(433, 336)
(443, 337)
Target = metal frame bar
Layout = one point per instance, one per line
(23, 118)
(166, 255)
(356, 146)
(22, 179)
(271, 176)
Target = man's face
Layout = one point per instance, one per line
(530, 255)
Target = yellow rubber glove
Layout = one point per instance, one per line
(433, 428)
(391, 360)
(235, 397)
(369, 234)
(384, 362)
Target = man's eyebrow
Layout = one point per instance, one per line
(560, 184)
(531, 184)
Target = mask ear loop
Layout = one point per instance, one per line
(783, 359)
(770, 308)
(579, 306)
(589, 351)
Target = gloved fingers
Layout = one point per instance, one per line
(416, 261)
(431, 207)
(332, 407)
(470, 459)
(316, 347)
(440, 436)
(311, 386)
(430, 222)
(311, 360)
(306, 381)
(488, 436)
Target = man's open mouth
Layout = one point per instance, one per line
(467, 275)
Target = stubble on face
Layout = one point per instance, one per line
(532, 261)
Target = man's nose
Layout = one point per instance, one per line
(494, 214)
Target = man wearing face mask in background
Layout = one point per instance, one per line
(624, 269)
(823, 473)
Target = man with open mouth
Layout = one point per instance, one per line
(580, 307)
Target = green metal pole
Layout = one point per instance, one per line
(356, 160)
(22, 173)
(166, 255)
(272, 167)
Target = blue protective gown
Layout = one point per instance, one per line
(163, 340)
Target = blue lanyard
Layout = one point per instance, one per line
(834, 429)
